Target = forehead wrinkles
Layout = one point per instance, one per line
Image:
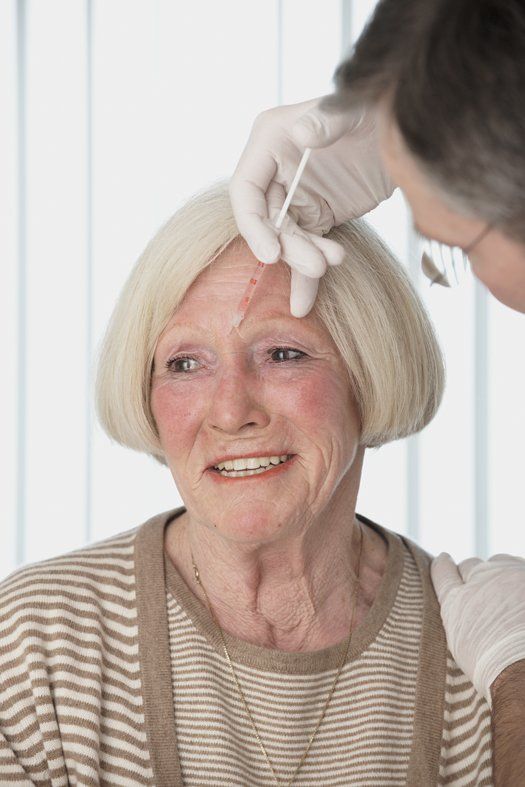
(210, 302)
(233, 268)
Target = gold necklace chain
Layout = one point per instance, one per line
(262, 747)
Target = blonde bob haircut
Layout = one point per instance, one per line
(368, 305)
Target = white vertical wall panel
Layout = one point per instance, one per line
(447, 445)
(311, 43)
(506, 468)
(56, 394)
(216, 69)
(124, 141)
(8, 286)
(383, 491)
(361, 10)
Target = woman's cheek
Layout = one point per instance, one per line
(178, 411)
(318, 397)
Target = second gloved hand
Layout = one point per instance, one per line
(483, 611)
(343, 179)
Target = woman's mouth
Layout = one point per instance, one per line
(250, 466)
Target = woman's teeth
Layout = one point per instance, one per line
(236, 468)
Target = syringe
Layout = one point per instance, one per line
(256, 275)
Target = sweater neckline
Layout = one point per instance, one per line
(287, 662)
(151, 577)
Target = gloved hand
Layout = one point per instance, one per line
(343, 179)
(483, 611)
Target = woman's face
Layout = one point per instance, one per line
(273, 388)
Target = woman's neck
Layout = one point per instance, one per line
(295, 595)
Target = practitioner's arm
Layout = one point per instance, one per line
(508, 726)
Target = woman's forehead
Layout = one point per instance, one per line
(220, 287)
(212, 300)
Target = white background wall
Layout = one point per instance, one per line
(113, 113)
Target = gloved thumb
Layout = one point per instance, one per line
(319, 128)
(466, 567)
(303, 292)
(445, 576)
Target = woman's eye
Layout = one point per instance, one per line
(280, 354)
(183, 364)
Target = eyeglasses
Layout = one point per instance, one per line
(447, 265)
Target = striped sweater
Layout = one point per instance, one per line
(112, 673)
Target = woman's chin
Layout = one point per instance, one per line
(251, 522)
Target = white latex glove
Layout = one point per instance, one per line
(483, 611)
(343, 179)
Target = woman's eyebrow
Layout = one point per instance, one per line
(251, 328)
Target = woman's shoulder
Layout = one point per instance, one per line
(69, 635)
(88, 582)
(61, 599)
(106, 561)
(88, 564)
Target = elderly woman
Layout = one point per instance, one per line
(265, 633)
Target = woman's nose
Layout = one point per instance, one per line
(237, 402)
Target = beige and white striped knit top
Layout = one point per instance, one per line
(112, 673)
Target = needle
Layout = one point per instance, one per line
(256, 275)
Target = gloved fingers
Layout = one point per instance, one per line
(498, 568)
(303, 292)
(297, 248)
(508, 560)
(247, 190)
(300, 253)
(445, 576)
(324, 124)
(466, 567)
(307, 211)
(333, 252)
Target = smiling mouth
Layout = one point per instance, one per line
(242, 468)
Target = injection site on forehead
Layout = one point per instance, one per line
(207, 308)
